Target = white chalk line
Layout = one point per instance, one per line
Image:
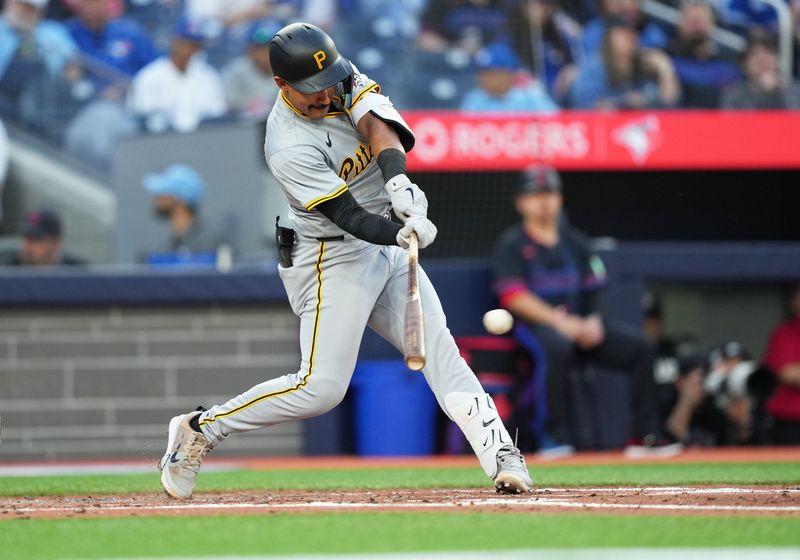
(673, 490)
(514, 502)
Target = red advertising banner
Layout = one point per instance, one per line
(451, 141)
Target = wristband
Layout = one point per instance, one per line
(392, 163)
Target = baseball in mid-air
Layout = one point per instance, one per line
(498, 321)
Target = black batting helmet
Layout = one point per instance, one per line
(306, 57)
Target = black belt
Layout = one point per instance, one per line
(332, 238)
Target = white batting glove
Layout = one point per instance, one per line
(426, 232)
(408, 200)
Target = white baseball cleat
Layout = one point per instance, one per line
(185, 451)
(512, 473)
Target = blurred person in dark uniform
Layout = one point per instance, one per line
(41, 243)
(548, 277)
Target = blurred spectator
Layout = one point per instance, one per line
(764, 86)
(546, 274)
(686, 410)
(180, 90)
(582, 11)
(404, 15)
(498, 69)
(116, 43)
(114, 49)
(177, 196)
(730, 368)
(60, 10)
(229, 21)
(249, 85)
(4, 156)
(651, 35)
(783, 361)
(623, 76)
(321, 13)
(96, 128)
(545, 37)
(31, 48)
(744, 16)
(689, 413)
(41, 243)
(703, 67)
(230, 13)
(466, 24)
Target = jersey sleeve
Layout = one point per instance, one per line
(366, 97)
(306, 179)
(508, 269)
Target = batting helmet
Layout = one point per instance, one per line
(306, 57)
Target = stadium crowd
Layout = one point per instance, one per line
(86, 72)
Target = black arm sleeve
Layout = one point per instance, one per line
(346, 213)
(392, 163)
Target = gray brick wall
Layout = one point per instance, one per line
(104, 382)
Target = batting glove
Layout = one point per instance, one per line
(426, 232)
(408, 200)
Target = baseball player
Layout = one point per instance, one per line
(337, 148)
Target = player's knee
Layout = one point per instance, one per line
(325, 394)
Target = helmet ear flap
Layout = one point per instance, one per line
(345, 87)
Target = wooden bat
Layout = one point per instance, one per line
(414, 330)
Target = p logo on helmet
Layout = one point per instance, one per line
(320, 56)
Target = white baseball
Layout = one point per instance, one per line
(498, 321)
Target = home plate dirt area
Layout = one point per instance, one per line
(751, 501)
(715, 500)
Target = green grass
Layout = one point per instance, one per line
(337, 479)
(350, 532)
(378, 532)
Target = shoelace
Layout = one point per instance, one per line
(195, 450)
(511, 456)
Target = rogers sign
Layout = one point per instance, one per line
(602, 140)
(488, 141)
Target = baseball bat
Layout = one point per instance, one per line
(414, 329)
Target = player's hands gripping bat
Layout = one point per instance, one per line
(414, 329)
(423, 227)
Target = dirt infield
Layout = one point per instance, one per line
(692, 500)
(751, 501)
